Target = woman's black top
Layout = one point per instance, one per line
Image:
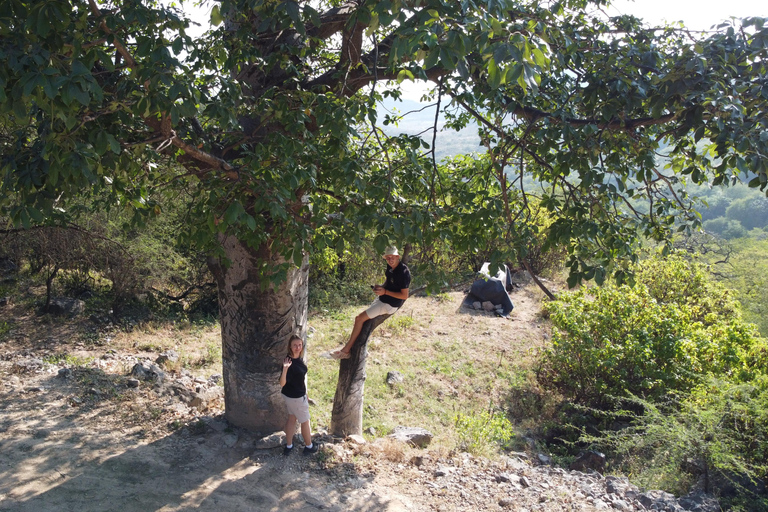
(294, 380)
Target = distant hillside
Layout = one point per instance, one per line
(418, 119)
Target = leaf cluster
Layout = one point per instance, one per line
(270, 122)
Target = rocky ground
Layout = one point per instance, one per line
(116, 431)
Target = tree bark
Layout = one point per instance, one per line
(347, 415)
(257, 319)
(49, 287)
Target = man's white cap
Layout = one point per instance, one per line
(391, 251)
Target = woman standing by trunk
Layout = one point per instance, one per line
(294, 383)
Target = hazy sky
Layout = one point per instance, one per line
(696, 14)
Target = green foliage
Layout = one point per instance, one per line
(715, 207)
(400, 324)
(750, 211)
(441, 297)
(675, 280)
(664, 334)
(481, 433)
(211, 357)
(100, 253)
(336, 281)
(271, 142)
(740, 265)
(68, 360)
(726, 228)
(747, 274)
(718, 431)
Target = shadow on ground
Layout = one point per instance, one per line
(55, 457)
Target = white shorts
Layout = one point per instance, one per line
(299, 407)
(378, 308)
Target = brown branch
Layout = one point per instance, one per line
(432, 194)
(88, 45)
(207, 158)
(333, 21)
(533, 114)
(536, 280)
(119, 46)
(352, 46)
(163, 127)
(184, 294)
(70, 227)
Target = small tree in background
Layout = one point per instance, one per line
(751, 211)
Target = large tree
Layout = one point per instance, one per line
(266, 126)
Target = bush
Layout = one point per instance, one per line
(664, 334)
(717, 435)
(103, 254)
(479, 432)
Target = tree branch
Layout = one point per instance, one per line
(164, 126)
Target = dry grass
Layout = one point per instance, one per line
(385, 448)
(452, 360)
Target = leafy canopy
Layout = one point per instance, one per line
(266, 125)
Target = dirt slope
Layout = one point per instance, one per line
(79, 434)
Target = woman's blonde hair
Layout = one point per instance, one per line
(303, 347)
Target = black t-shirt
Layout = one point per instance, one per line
(294, 379)
(397, 279)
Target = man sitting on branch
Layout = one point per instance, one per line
(391, 295)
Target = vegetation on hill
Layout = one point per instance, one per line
(672, 359)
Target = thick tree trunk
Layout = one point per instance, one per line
(256, 323)
(347, 416)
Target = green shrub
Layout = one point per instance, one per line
(401, 323)
(718, 433)
(664, 334)
(481, 433)
(68, 360)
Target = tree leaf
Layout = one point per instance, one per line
(403, 74)
(216, 17)
(114, 146)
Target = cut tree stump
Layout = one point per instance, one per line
(347, 415)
